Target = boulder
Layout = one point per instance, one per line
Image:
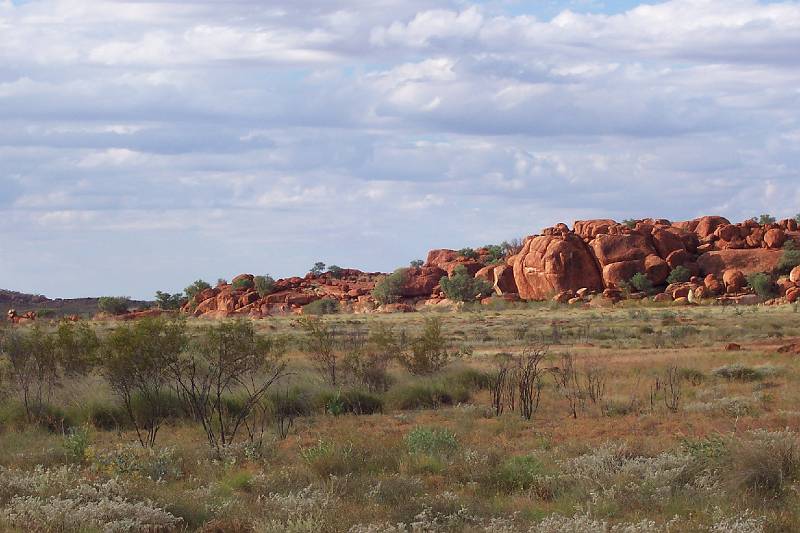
(662, 297)
(617, 274)
(728, 232)
(713, 285)
(549, 264)
(421, 281)
(794, 275)
(746, 261)
(437, 258)
(589, 229)
(657, 269)
(610, 249)
(678, 258)
(793, 295)
(734, 281)
(666, 242)
(774, 238)
(706, 226)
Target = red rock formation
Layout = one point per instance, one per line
(744, 260)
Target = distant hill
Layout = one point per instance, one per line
(22, 303)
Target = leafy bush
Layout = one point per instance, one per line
(324, 306)
(790, 258)
(679, 274)
(115, 305)
(519, 473)
(195, 288)
(761, 284)
(766, 219)
(427, 395)
(165, 300)
(641, 283)
(264, 284)
(740, 372)
(432, 441)
(468, 253)
(462, 287)
(630, 222)
(471, 379)
(45, 312)
(76, 443)
(242, 284)
(390, 288)
(318, 268)
(335, 271)
(429, 352)
(767, 463)
(416, 263)
(352, 401)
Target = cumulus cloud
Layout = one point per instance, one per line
(145, 144)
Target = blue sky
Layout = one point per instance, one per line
(147, 144)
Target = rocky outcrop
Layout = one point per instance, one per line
(550, 264)
(747, 261)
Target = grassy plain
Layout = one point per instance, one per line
(714, 448)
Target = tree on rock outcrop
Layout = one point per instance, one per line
(335, 271)
(196, 288)
(679, 274)
(264, 285)
(389, 289)
(468, 253)
(766, 219)
(641, 283)
(462, 287)
(416, 263)
(165, 300)
(318, 268)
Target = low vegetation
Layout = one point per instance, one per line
(538, 418)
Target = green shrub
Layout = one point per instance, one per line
(165, 300)
(740, 372)
(416, 263)
(518, 474)
(761, 284)
(766, 219)
(679, 274)
(324, 306)
(243, 284)
(106, 416)
(437, 442)
(427, 395)
(45, 312)
(264, 285)
(766, 464)
(470, 379)
(352, 401)
(641, 283)
(317, 269)
(790, 258)
(390, 288)
(291, 403)
(468, 253)
(462, 287)
(335, 271)
(115, 305)
(496, 253)
(630, 222)
(76, 443)
(429, 352)
(195, 288)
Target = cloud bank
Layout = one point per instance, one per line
(145, 144)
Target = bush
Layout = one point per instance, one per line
(641, 283)
(427, 396)
(496, 253)
(291, 403)
(115, 305)
(790, 258)
(353, 401)
(106, 416)
(435, 442)
(195, 288)
(471, 379)
(416, 263)
(45, 313)
(468, 253)
(761, 284)
(429, 352)
(766, 219)
(630, 222)
(462, 287)
(264, 284)
(740, 372)
(679, 274)
(165, 300)
(325, 306)
(767, 463)
(519, 473)
(335, 271)
(390, 288)
(243, 284)
(317, 269)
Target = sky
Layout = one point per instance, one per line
(146, 144)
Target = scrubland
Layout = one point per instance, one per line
(528, 418)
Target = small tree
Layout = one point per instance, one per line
(243, 284)
(766, 219)
(195, 288)
(335, 271)
(390, 288)
(512, 247)
(224, 378)
(416, 263)
(429, 352)
(679, 274)
(318, 268)
(320, 344)
(497, 253)
(790, 257)
(264, 285)
(468, 253)
(366, 363)
(630, 222)
(136, 359)
(641, 283)
(462, 287)
(165, 300)
(761, 284)
(115, 305)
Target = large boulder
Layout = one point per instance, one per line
(794, 275)
(734, 280)
(746, 261)
(666, 242)
(706, 226)
(437, 258)
(774, 238)
(616, 248)
(621, 272)
(657, 269)
(421, 281)
(500, 277)
(549, 264)
(589, 229)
